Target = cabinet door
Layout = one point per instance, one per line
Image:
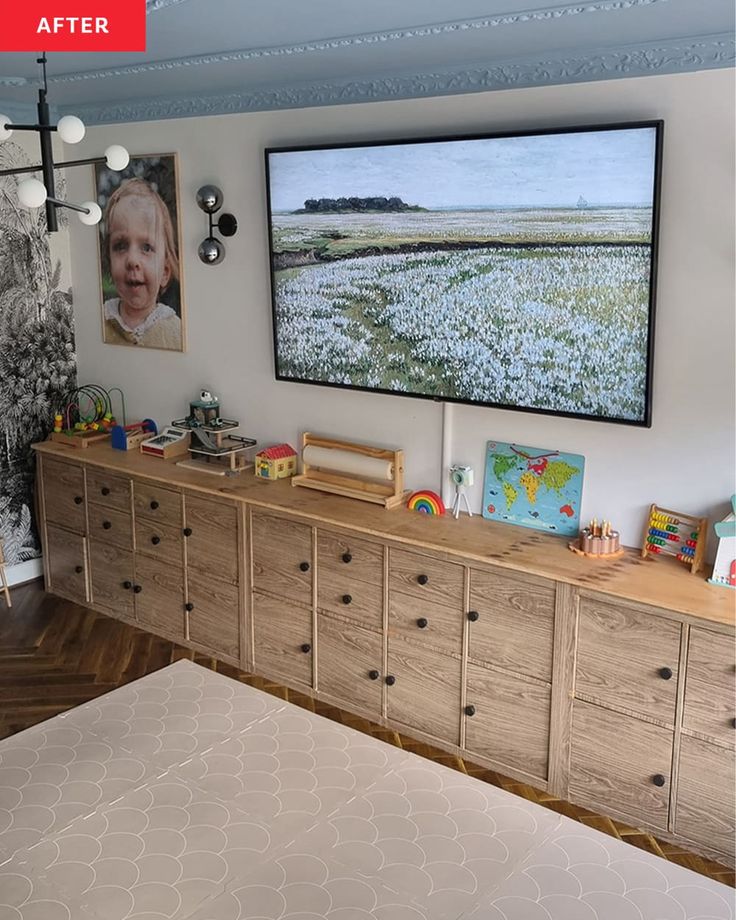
(512, 623)
(628, 658)
(67, 564)
(211, 532)
(63, 494)
(213, 616)
(159, 597)
(425, 690)
(620, 764)
(705, 795)
(282, 557)
(710, 688)
(349, 664)
(507, 720)
(112, 579)
(282, 640)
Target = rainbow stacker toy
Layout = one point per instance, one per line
(671, 533)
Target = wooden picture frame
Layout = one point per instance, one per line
(141, 293)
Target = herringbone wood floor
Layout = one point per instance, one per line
(55, 655)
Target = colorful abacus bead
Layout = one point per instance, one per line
(653, 549)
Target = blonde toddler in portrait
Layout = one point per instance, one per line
(141, 251)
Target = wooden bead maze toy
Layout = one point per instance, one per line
(672, 533)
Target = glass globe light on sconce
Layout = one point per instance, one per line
(211, 250)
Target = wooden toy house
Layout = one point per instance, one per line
(276, 462)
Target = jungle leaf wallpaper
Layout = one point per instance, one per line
(37, 357)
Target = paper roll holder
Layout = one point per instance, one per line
(389, 493)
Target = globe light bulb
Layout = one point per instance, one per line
(94, 216)
(4, 132)
(117, 157)
(211, 251)
(31, 193)
(71, 129)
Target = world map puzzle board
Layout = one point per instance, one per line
(533, 487)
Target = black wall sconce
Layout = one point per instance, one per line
(211, 250)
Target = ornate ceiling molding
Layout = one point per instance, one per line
(153, 6)
(350, 41)
(707, 52)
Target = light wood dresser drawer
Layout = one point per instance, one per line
(108, 491)
(710, 686)
(349, 664)
(159, 540)
(512, 622)
(156, 503)
(346, 557)
(110, 526)
(421, 620)
(426, 578)
(358, 600)
(628, 658)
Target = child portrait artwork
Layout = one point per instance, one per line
(139, 254)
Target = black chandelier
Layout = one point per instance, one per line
(32, 193)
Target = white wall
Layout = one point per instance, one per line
(685, 461)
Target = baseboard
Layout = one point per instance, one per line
(24, 571)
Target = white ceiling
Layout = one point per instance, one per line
(212, 56)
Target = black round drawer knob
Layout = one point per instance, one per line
(79, 569)
(470, 710)
(347, 599)
(304, 566)
(154, 505)
(346, 557)
(374, 675)
(105, 490)
(187, 531)
(658, 779)
(189, 607)
(733, 723)
(78, 499)
(473, 616)
(306, 648)
(137, 589)
(422, 579)
(665, 673)
(422, 622)
(155, 540)
(390, 680)
(127, 585)
(107, 525)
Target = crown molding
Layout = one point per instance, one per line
(153, 6)
(704, 53)
(19, 112)
(544, 14)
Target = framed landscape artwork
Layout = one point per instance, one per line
(514, 271)
(141, 295)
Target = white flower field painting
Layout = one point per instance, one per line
(408, 282)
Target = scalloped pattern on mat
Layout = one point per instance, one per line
(190, 796)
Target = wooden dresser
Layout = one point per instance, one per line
(610, 684)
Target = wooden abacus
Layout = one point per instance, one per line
(672, 533)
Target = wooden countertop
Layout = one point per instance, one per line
(660, 582)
